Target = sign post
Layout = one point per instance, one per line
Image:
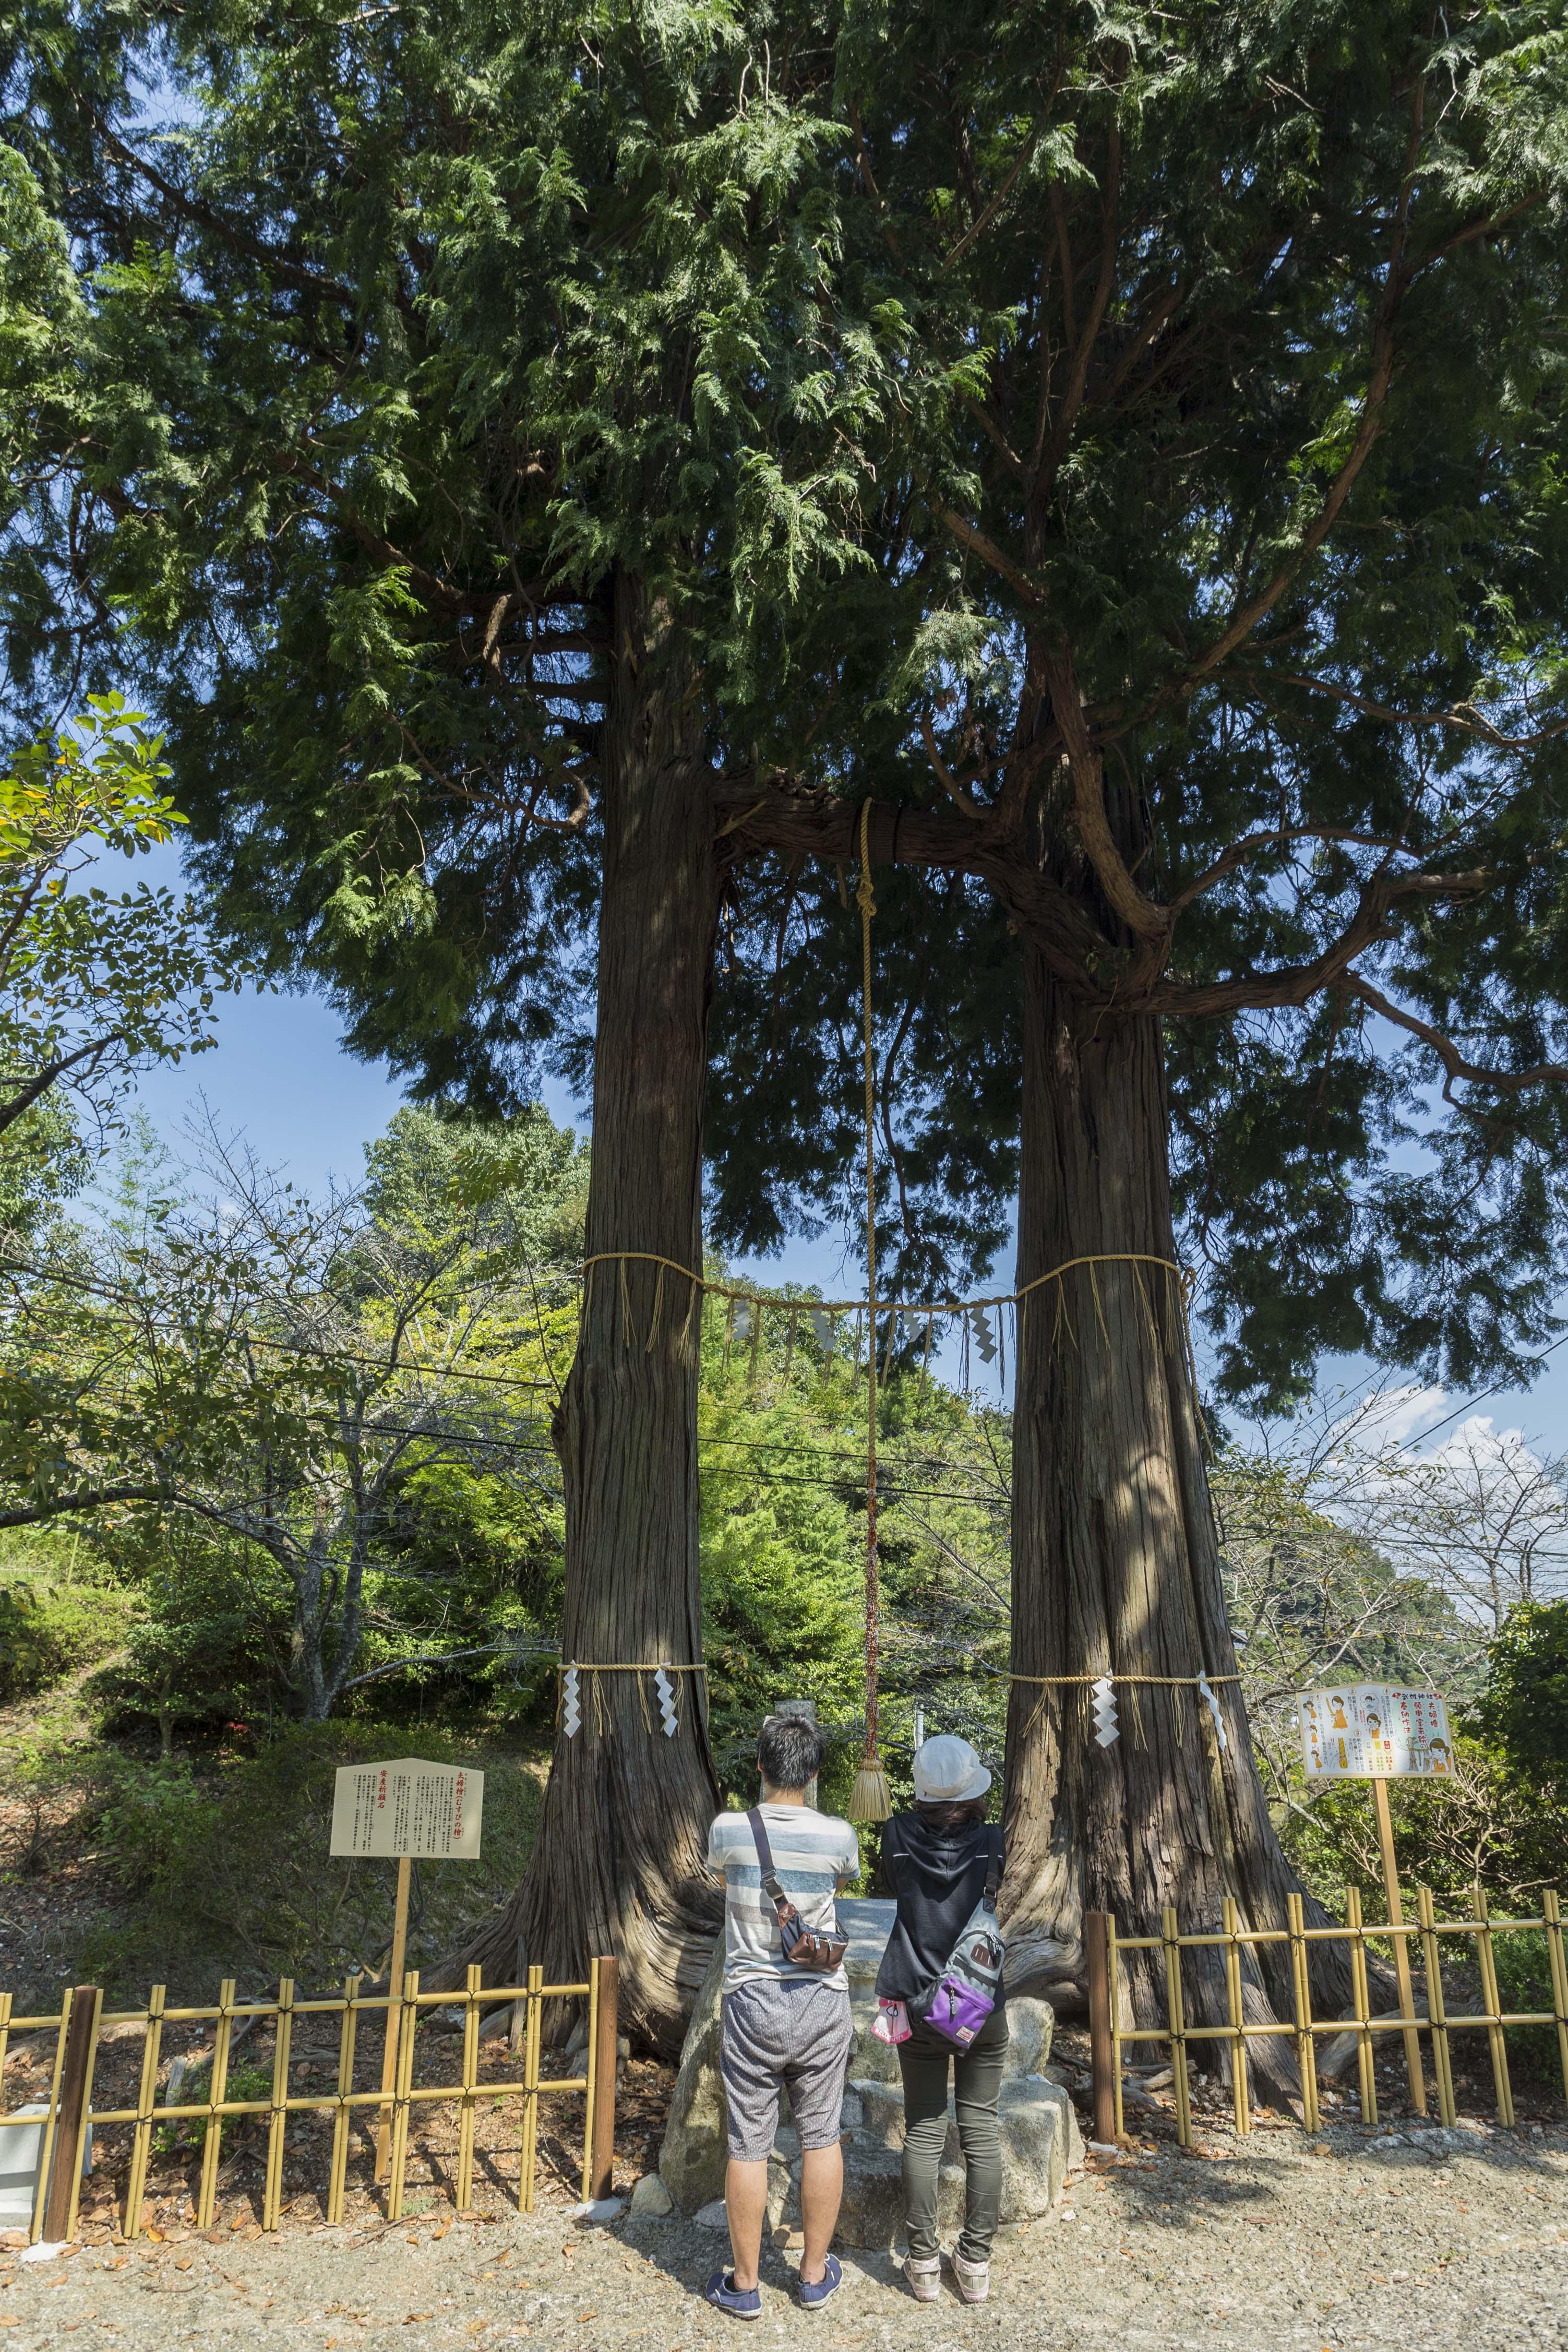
(1378, 1732)
(415, 1812)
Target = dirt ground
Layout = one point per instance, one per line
(1275, 2243)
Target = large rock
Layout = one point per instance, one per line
(1041, 2140)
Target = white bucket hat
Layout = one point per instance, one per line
(949, 1772)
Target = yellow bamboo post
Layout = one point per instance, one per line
(1551, 1920)
(470, 2081)
(1487, 1963)
(1112, 1984)
(46, 2150)
(343, 2121)
(394, 1989)
(1413, 2067)
(1241, 2101)
(5, 2028)
(278, 2122)
(1302, 1987)
(591, 2070)
(1178, 2020)
(1438, 2016)
(530, 2092)
(401, 2102)
(1361, 1995)
(146, 2100)
(217, 2092)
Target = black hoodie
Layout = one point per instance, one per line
(938, 1877)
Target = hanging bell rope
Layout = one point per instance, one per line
(871, 1800)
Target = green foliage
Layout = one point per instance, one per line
(224, 1869)
(49, 1629)
(783, 1531)
(1525, 1980)
(207, 1633)
(243, 2082)
(1524, 1709)
(93, 988)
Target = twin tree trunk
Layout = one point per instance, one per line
(1116, 1561)
(619, 1865)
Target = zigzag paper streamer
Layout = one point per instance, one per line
(1204, 1694)
(1107, 1730)
(666, 1690)
(572, 1705)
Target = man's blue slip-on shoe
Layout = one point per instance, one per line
(833, 2278)
(740, 2302)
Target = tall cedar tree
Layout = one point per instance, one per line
(446, 407)
(1244, 680)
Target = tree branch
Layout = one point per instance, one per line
(1454, 1062)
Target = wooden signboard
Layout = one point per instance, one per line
(1381, 1732)
(1375, 1731)
(405, 1810)
(429, 1812)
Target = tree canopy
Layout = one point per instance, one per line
(1165, 410)
(1236, 378)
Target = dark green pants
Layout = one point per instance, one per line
(976, 2081)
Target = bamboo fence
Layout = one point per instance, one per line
(69, 2112)
(1438, 2022)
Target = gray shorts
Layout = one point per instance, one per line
(790, 2033)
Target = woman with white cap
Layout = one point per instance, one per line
(943, 1862)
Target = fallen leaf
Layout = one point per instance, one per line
(412, 2316)
(156, 2236)
(183, 2263)
(10, 2319)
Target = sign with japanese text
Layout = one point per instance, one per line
(429, 1812)
(1375, 1731)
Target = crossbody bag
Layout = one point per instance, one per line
(804, 1947)
(970, 1983)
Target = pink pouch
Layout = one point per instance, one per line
(892, 2023)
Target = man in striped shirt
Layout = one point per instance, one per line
(781, 2025)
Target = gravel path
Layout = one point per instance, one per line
(1430, 2238)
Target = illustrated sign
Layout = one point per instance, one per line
(1375, 1731)
(430, 1811)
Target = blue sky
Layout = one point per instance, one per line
(280, 1073)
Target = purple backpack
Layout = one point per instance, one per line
(970, 1984)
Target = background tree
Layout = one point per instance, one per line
(281, 1372)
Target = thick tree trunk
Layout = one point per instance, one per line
(619, 1865)
(1115, 1560)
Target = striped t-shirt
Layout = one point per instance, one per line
(811, 1852)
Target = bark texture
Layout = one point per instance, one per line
(1115, 1560)
(618, 1867)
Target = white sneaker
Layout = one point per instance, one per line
(924, 2275)
(974, 2279)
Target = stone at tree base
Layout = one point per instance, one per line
(1040, 2141)
(650, 2201)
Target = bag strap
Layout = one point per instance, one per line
(771, 1885)
(993, 1869)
